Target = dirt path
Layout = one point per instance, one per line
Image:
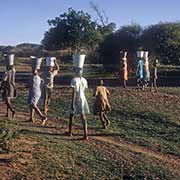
(172, 162)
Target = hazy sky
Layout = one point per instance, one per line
(26, 20)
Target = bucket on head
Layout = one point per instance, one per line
(78, 60)
(123, 54)
(36, 62)
(10, 60)
(146, 54)
(50, 61)
(140, 54)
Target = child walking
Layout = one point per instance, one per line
(101, 104)
(48, 77)
(34, 96)
(124, 71)
(154, 75)
(79, 104)
(8, 89)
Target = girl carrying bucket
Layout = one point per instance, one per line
(79, 104)
(140, 69)
(146, 69)
(154, 75)
(50, 72)
(8, 84)
(35, 91)
(124, 68)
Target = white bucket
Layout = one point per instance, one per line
(140, 54)
(125, 55)
(50, 61)
(36, 62)
(11, 60)
(146, 54)
(78, 60)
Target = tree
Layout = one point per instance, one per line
(127, 38)
(163, 41)
(74, 30)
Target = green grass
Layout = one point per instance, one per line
(138, 118)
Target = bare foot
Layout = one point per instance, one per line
(13, 114)
(107, 123)
(30, 120)
(85, 137)
(68, 134)
(44, 120)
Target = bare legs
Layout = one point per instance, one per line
(104, 120)
(33, 109)
(84, 122)
(124, 84)
(9, 107)
(154, 84)
(47, 96)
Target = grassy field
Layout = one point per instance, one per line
(142, 142)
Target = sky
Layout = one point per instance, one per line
(25, 21)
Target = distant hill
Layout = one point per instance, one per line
(23, 50)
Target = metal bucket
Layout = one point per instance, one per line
(146, 54)
(36, 62)
(50, 61)
(78, 60)
(140, 54)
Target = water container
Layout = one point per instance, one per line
(140, 54)
(125, 54)
(36, 62)
(11, 60)
(78, 60)
(146, 54)
(50, 61)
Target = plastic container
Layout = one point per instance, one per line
(36, 62)
(78, 60)
(11, 59)
(146, 54)
(140, 54)
(50, 61)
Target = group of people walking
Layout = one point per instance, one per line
(79, 104)
(144, 74)
(43, 85)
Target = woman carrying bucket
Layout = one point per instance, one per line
(35, 90)
(8, 84)
(50, 72)
(146, 69)
(140, 69)
(79, 104)
(154, 75)
(124, 70)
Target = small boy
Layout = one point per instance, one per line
(101, 104)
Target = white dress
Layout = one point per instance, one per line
(35, 91)
(81, 105)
